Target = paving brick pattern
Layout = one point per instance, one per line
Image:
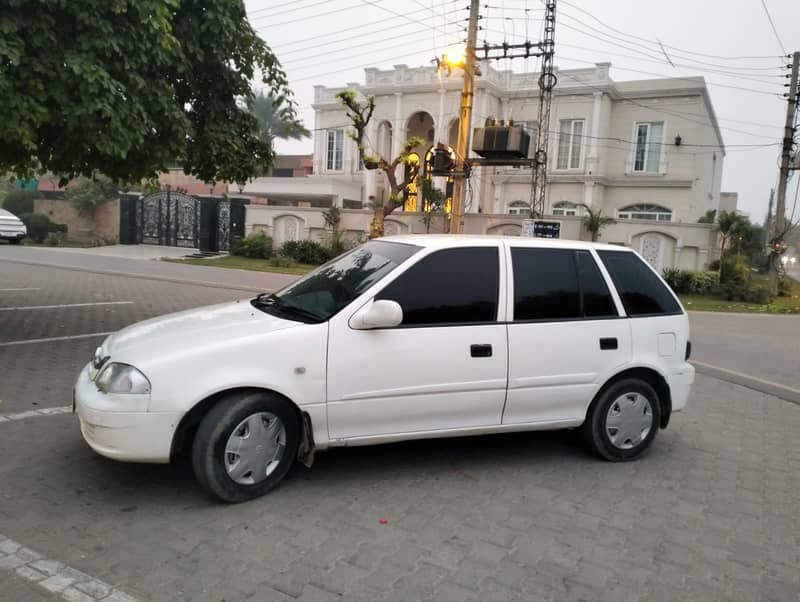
(712, 513)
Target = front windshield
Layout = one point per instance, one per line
(322, 293)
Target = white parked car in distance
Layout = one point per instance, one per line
(11, 227)
(404, 337)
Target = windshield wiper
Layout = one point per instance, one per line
(273, 301)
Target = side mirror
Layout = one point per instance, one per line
(379, 314)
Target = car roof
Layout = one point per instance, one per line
(466, 240)
(5, 213)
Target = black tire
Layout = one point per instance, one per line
(594, 430)
(208, 448)
(14, 241)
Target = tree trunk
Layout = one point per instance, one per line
(376, 228)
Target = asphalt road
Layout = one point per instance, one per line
(712, 512)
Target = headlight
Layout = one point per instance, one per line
(122, 378)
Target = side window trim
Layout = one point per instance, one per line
(621, 311)
(510, 317)
(500, 295)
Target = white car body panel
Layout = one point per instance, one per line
(359, 386)
(11, 227)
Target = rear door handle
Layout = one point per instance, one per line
(480, 350)
(608, 343)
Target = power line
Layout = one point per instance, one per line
(279, 9)
(690, 79)
(308, 17)
(714, 56)
(775, 31)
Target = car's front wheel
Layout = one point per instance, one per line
(623, 420)
(15, 241)
(245, 445)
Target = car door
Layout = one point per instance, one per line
(565, 334)
(444, 367)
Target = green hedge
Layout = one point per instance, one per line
(257, 245)
(39, 226)
(692, 283)
(306, 251)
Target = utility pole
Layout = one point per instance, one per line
(780, 209)
(547, 82)
(464, 122)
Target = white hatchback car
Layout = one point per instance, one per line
(11, 227)
(402, 338)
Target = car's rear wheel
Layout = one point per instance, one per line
(623, 421)
(14, 241)
(245, 445)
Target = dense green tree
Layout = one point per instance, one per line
(708, 217)
(129, 87)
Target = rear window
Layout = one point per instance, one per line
(558, 284)
(642, 292)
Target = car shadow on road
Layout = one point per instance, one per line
(129, 486)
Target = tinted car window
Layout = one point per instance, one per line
(545, 284)
(449, 287)
(643, 294)
(597, 301)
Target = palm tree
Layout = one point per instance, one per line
(277, 119)
(594, 221)
(729, 223)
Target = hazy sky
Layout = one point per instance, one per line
(729, 42)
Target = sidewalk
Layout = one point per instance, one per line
(129, 251)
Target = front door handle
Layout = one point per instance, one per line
(608, 343)
(480, 350)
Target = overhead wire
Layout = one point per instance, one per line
(675, 48)
(774, 30)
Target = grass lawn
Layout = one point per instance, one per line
(246, 263)
(779, 305)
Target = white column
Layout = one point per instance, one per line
(592, 158)
(398, 127)
(318, 162)
(588, 193)
(441, 127)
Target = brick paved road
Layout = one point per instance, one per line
(713, 512)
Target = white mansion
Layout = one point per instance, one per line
(647, 153)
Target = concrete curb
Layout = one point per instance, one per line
(206, 283)
(784, 392)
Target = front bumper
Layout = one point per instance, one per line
(130, 435)
(680, 384)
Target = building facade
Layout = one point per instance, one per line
(647, 153)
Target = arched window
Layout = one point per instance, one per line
(645, 211)
(565, 208)
(519, 208)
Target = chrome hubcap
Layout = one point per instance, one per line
(255, 448)
(629, 420)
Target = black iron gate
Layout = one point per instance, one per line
(179, 220)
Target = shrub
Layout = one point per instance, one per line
(735, 291)
(784, 286)
(733, 271)
(705, 283)
(306, 251)
(257, 245)
(39, 226)
(281, 261)
(19, 202)
(54, 239)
